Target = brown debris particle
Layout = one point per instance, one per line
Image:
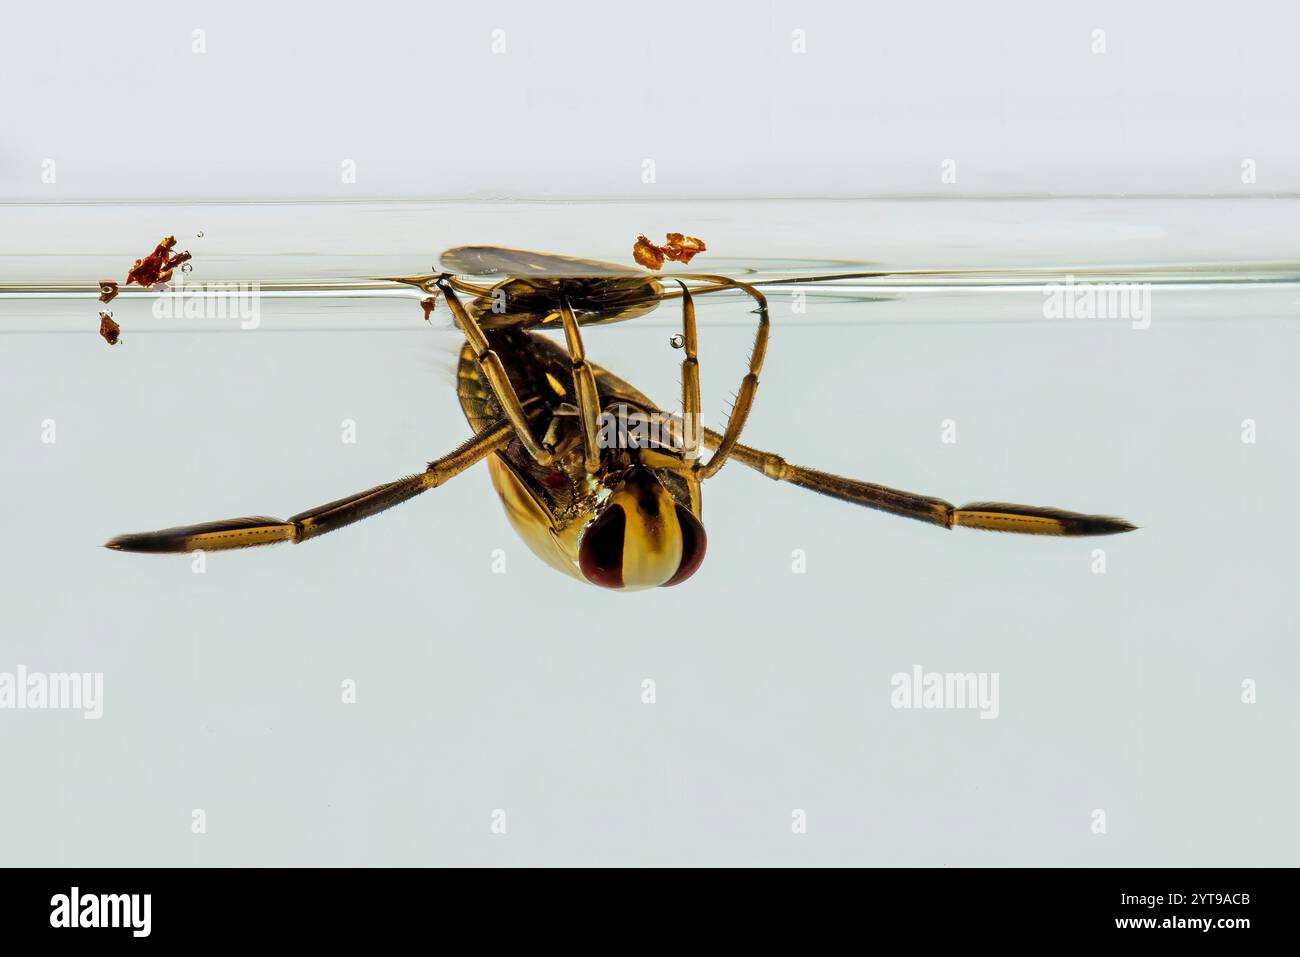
(158, 265)
(676, 248)
(428, 304)
(647, 253)
(109, 329)
(148, 272)
(682, 249)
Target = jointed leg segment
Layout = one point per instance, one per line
(993, 516)
(748, 385)
(261, 530)
(690, 377)
(495, 374)
(587, 397)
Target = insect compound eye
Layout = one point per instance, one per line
(600, 556)
(694, 543)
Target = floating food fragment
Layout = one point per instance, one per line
(158, 265)
(647, 253)
(148, 272)
(682, 249)
(109, 329)
(676, 248)
(428, 304)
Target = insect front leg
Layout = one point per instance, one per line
(495, 374)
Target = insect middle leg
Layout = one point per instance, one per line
(261, 530)
(586, 395)
(690, 377)
(748, 385)
(495, 374)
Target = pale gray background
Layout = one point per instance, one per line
(522, 691)
(587, 90)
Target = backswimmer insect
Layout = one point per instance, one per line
(616, 513)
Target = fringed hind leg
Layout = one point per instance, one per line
(260, 530)
(993, 516)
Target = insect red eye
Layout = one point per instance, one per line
(600, 556)
(694, 542)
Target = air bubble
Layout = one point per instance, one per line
(187, 267)
(200, 234)
(677, 341)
